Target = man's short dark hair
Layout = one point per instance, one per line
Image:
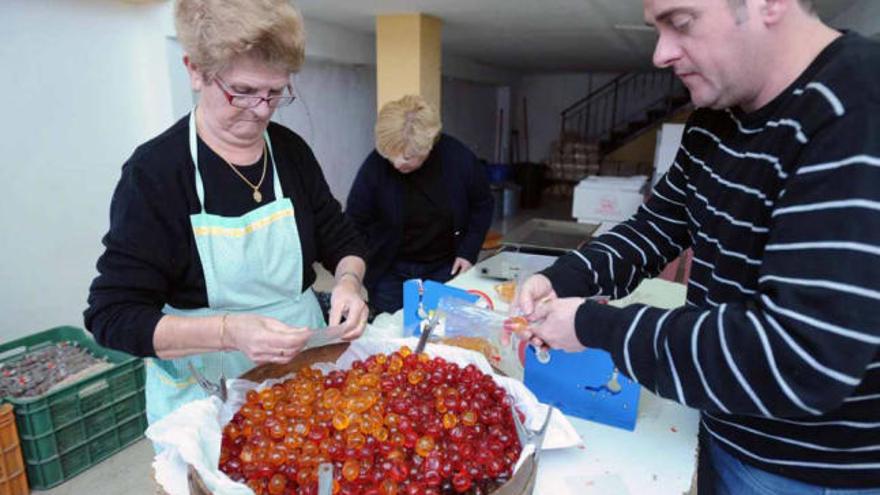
(808, 5)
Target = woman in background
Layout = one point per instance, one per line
(421, 200)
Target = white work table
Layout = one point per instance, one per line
(659, 457)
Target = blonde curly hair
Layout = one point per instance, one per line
(407, 127)
(213, 32)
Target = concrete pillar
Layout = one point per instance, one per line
(408, 56)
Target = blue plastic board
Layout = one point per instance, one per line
(434, 291)
(576, 384)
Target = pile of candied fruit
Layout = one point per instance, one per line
(398, 424)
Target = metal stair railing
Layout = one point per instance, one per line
(639, 98)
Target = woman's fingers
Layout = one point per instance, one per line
(359, 323)
(336, 310)
(280, 346)
(351, 306)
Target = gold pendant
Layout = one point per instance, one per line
(258, 197)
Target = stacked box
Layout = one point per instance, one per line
(73, 427)
(572, 160)
(12, 474)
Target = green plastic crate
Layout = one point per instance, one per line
(71, 429)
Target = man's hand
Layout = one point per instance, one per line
(460, 265)
(554, 323)
(534, 289)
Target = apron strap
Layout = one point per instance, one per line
(194, 154)
(275, 181)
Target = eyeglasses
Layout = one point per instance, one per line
(250, 101)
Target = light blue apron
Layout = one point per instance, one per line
(252, 264)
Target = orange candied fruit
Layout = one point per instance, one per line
(425, 445)
(395, 424)
(449, 421)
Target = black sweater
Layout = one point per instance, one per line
(377, 200)
(151, 259)
(427, 217)
(778, 342)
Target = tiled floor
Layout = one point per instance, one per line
(552, 208)
(129, 472)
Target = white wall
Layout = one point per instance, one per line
(468, 70)
(863, 16)
(469, 115)
(329, 42)
(502, 97)
(90, 82)
(547, 95)
(334, 112)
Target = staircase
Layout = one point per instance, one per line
(619, 111)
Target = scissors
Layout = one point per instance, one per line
(518, 324)
(325, 478)
(433, 319)
(215, 389)
(536, 437)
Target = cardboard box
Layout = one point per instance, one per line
(608, 199)
(668, 143)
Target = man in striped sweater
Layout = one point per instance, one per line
(776, 187)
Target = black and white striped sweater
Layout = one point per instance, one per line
(778, 342)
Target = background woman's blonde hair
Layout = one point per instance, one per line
(407, 127)
(213, 32)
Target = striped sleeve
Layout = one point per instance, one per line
(803, 342)
(614, 264)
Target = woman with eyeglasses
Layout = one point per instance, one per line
(215, 223)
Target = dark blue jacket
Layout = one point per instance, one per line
(375, 205)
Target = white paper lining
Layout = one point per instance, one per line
(192, 433)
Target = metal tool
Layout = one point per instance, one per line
(508, 265)
(549, 237)
(542, 353)
(421, 312)
(535, 440)
(536, 437)
(612, 386)
(517, 324)
(433, 319)
(215, 389)
(325, 478)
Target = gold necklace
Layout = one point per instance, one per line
(258, 196)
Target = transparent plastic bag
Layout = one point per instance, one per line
(479, 329)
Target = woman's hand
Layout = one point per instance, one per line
(460, 265)
(264, 340)
(346, 300)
